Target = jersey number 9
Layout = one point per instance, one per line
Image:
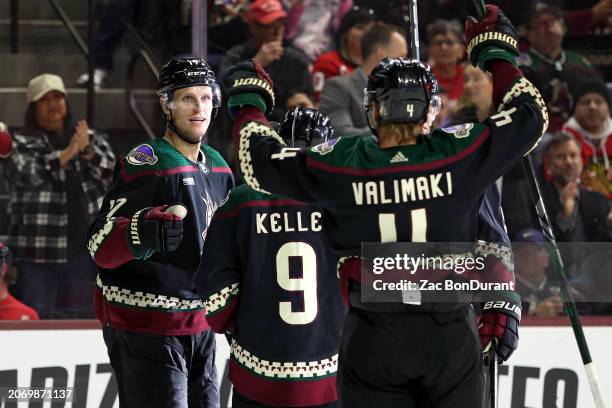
(306, 284)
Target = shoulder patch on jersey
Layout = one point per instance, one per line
(459, 131)
(141, 155)
(326, 147)
(524, 60)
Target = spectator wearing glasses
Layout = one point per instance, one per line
(446, 49)
(554, 70)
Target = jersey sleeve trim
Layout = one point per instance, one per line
(221, 300)
(251, 121)
(523, 86)
(108, 246)
(351, 171)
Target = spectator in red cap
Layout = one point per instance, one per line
(11, 308)
(287, 66)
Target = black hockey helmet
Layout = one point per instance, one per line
(183, 72)
(404, 91)
(303, 127)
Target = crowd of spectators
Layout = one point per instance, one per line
(318, 54)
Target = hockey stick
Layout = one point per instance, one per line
(566, 296)
(557, 262)
(414, 30)
(493, 376)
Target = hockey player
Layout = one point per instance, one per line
(148, 250)
(269, 279)
(395, 354)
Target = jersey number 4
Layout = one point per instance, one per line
(306, 284)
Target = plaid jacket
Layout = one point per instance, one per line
(38, 215)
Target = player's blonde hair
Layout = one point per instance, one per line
(398, 134)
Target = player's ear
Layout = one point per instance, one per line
(163, 102)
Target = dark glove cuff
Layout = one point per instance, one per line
(492, 52)
(246, 99)
(136, 234)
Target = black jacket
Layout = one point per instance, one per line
(593, 210)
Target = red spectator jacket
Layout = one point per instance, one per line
(12, 309)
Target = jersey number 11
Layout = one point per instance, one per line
(388, 227)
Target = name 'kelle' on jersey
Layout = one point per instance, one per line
(275, 222)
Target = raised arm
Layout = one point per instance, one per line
(265, 162)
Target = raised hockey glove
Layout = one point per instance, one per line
(157, 229)
(498, 327)
(247, 83)
(493, 37)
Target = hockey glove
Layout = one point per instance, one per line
(301, 126)
(247, 83)
(494, 37)
(157, 229)
(498, 327)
